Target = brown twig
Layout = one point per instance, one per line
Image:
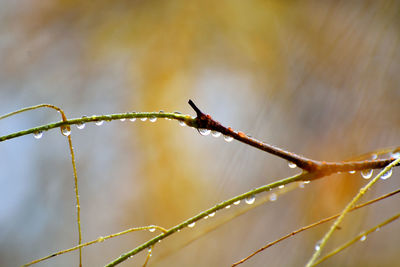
(320, 168)
(313, 225)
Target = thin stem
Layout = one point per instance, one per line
(201, 215)
(148, 255)
(346, 210)
(357, 238)
(98, 240)
(313, 225)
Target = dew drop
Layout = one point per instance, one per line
(215, 134)
(204, 132)
(387, 174)
(318, 246)
(374, 156)
(205, 218)
(80, 126)
(149, 250)
(363, 238)
(132, 119)
(161, 112)
(123, 119)
(182, 123)
(177, 112)
(151, 230)
(291, 165)
(143, 119)
(192, 225)
(366, 174)
(273, 197)
(38, 134)
(307, 182)
(228, 138)
(352, 172)
(98, 123)
(236, 202)
(211, 214)
(250, 200)
(100, 239)
(281, 186)
(301, 184)
(66, 131)
(153, 119)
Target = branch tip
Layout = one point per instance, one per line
(198, 111)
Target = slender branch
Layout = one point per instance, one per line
(98, 240)
(346, 210)
(201, 215)
(360, 237)
(313, 225)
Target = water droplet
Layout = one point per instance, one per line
(236, 202)
(395, 155)
(374, 156)
(177, 112)
(273, 197)
(204, 132)
(227, 207)
(149, 251)
(38, 134)
(211, 214)
(366, 174)
(192, 224)
(318, 245)
(182, 123)
(151, 230)
(153, 119)
(291, 165)
(66, 131)
(132, 119)
(301, 184)
(250, 200)
(100, 239)
(206, 217)
(161, 112)
(306, 182)
(123, 119)
(143, 119)
(281, 186)
(98, 123)
(387, 174)
(228, 138)
(352, 172)
(215, 134)
(80, 126)
(363, 238)
(377, 229)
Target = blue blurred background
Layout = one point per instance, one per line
(319, 78)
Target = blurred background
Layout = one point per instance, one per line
(319, 78)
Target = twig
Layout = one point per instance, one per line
(313, 225)
(346, 210)
(360, 237)
(98, 240)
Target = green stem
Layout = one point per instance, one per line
(334, 226)
(299, 177)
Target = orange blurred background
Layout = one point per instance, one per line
(316, 78)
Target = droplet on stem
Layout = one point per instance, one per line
(132, 119)
(153, 119)
(363, 238)
(227, 207)
(236, 202)
(387, 174)
(152, 229)
(318, 245)
(228, 138)
(204, 132)
(366, 174)
(395, 155)
(215, 134)
(182, 123)
(352, 172)
(123, 119)
(281, 186)
(250, 200)
(66, 131)
(211, 214)
(80, 126)
(98, 123)
(292, 165)
(192, 225)
(38, 134)
(143, 119)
